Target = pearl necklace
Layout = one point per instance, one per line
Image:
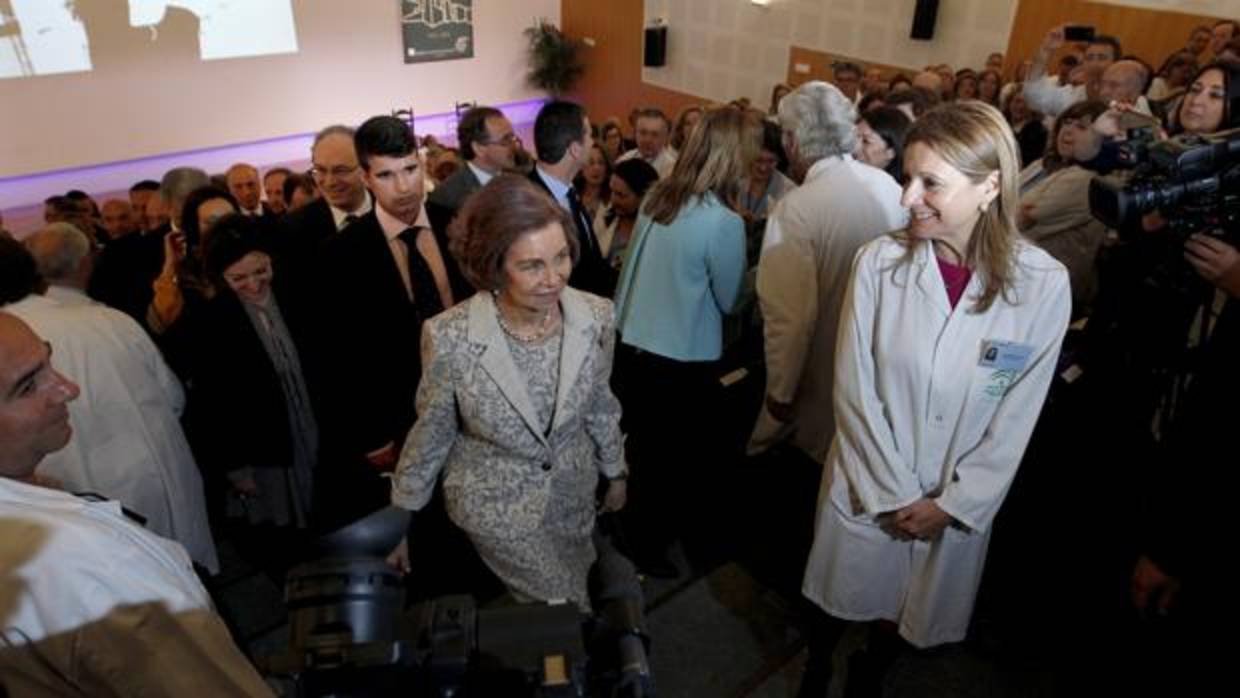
(543, 327)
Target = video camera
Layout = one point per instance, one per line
(350, 636)
(1192, 180)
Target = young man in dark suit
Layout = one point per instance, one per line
(379, 280)
(563, 140)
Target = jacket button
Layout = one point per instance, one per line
(546, 467)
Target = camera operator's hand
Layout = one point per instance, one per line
(1215, 261)
(1149, 582)
(398, 559)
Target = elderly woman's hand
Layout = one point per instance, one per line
(398, 559)
(617, 495)
(1216, 262)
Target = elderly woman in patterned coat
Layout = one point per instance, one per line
(514, 406)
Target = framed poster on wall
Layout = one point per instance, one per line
(437, 30)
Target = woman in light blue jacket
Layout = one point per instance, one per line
(683, 273)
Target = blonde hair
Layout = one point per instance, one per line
(975, 139)
(716, 156)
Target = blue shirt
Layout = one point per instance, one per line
(679, 280)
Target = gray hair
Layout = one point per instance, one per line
(821, 120)
(178, 183)
(58, 250)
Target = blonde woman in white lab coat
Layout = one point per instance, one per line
(947, 345)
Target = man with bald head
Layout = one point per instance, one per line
(243, 184)
(929, 80)
(118, 218)
(1125, 82)
(108, 607)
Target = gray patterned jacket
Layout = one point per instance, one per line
(503, 476)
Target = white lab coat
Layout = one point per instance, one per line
(65, 562)
(917, 416)
(808, 248)
(127, 442)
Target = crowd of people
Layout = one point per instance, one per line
(518, 341)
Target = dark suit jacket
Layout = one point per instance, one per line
(369, 333)
(591, 273)
(237, 389)
(449, 196)
(298, 235)
(125, 270)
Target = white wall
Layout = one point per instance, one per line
(723, 49)
(349, 67)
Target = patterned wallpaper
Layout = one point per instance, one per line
(723, 49)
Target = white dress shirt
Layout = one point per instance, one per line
(339, 215)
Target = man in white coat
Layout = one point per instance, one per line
(90, 604)
(129, 444)
(807, 252)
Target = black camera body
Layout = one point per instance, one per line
(351, 637)
(1192, 180)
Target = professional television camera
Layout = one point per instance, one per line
(350, 636)
(1151, 303)
(1192, 180)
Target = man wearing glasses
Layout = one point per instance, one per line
(489, 147)
(338, 175)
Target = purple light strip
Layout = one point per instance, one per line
(29, 190)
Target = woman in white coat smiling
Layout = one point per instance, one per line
(947, 345)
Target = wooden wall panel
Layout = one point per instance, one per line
(1152, 35)
(820, 66)
(612, 84)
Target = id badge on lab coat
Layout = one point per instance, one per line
(1005, 360)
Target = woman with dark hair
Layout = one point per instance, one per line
(685, 121)
(777, 93)
(966, 85)
(1212, 99)
(251, 382)
(514, 407)
(612, 139)
(182, 282)
(593, 182)
(1054, 200)
(880, 140)
(1027, 125)
(614, 224)
(989, 84)
(1173, 77)
(947, 346)
(765, 185)
(683, 273)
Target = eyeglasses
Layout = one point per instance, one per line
(338, 172)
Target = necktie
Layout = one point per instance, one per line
(348, 220)
(426, 300)
(584, 229)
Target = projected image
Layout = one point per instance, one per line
(45, 37)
